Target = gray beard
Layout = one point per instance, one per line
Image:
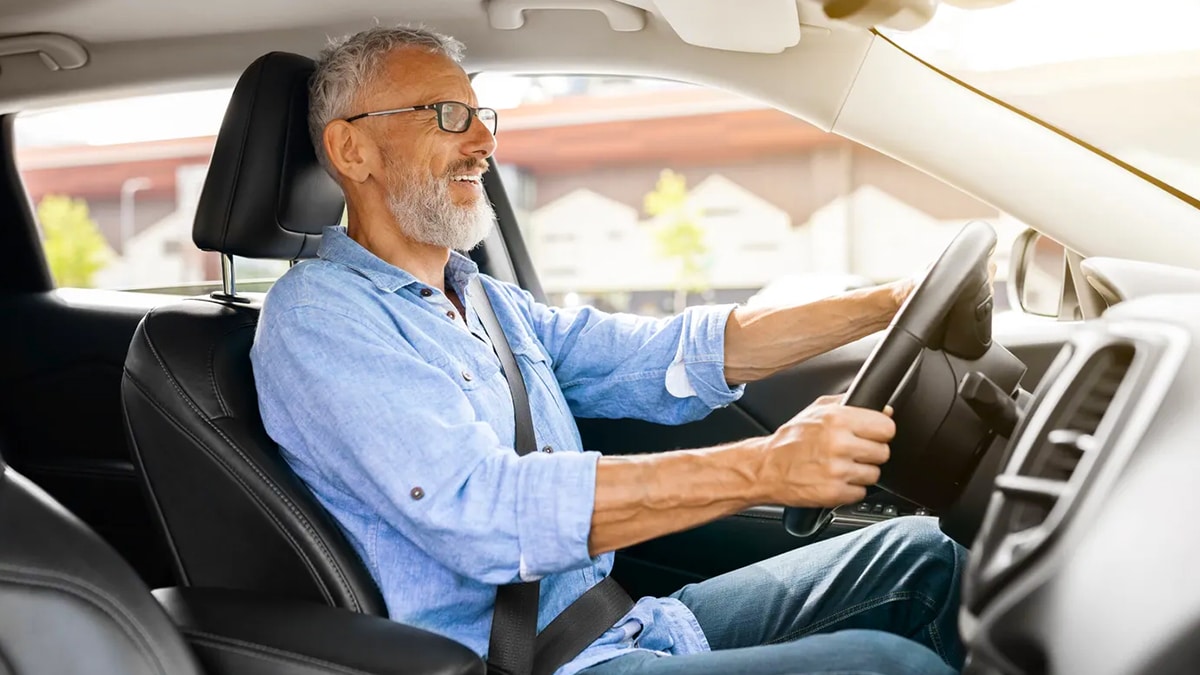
(424, 212)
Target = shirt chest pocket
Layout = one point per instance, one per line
(474, 373)
(540, 381)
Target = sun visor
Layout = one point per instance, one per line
(766, 27)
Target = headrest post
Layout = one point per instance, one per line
(228, 283)
(227, 280)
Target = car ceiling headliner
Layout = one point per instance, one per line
(157, 45)
(121, 20)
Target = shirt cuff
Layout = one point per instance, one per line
(699, 365)
(556, 494)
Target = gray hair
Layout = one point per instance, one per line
(349, 64)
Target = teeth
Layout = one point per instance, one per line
(469, 179)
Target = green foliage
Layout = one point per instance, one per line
(75, 249)
(679, 236)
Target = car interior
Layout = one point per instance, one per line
(148, 524)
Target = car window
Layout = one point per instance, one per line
(114, 185)
(648, 196)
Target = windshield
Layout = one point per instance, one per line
(1121, 75)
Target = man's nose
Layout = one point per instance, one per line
(478, 140)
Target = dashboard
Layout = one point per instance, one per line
(1084, 562)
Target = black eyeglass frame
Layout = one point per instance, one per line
(438, 107)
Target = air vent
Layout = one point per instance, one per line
(1068, 436)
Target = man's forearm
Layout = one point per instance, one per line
(760, 341)
(641, 497)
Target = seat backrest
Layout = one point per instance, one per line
(234, 514)
(68, 602)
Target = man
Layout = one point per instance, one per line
(379, 383)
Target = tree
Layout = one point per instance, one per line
(679, 235)
(75, 249)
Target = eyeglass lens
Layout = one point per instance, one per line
(456, 117)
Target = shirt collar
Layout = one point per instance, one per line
(337, 247)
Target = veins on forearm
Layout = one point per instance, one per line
(762, 341)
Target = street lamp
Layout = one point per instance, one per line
(129, 188)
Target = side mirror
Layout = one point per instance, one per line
(1038, 274)
(1046, 280)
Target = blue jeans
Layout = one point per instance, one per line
(890, 591)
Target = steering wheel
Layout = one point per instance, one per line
(949, 310)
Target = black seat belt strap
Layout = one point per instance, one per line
(514, 619)
(514, 647)
(579, 625)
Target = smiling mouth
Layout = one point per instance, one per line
(472, 179)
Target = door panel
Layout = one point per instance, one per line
(661, 566)
(61, 357)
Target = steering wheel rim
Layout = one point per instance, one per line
(919, 324)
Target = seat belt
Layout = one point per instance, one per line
(514, 647)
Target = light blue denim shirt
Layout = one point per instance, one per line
(395, 412)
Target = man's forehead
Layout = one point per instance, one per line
(418, 77)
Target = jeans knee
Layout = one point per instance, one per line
(920, 533)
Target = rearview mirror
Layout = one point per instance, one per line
(1039, 274)
(896, 14)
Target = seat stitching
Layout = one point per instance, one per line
(80, 588)
(245, 488)
(140, 468)
(264, 652)
(212, 371)
(316, 539)
(270, 484)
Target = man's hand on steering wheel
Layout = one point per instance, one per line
(827, 455)
(902, 288)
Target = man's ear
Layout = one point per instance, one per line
(349, 151)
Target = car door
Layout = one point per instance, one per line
(676, 196)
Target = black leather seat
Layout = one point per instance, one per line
(233, 513)
(69, 604)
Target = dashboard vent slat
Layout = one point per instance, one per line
(1069, 435)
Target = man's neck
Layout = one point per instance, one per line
(426, 263)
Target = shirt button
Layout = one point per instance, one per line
(425, 292)
(451, 314)
(466, 375)
(416, 493)
(548, 449)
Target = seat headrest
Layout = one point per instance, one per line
(265, 195)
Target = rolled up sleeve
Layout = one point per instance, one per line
(553, 525)
(700, 356)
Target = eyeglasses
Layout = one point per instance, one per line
(452, 116)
